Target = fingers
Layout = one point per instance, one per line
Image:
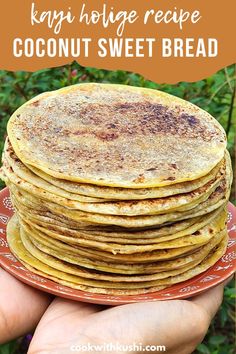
(211, 300)
(179, 325)
(21, 307)
(60, 325)
(64, 307)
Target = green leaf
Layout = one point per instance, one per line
(216, 340)
(8, 348)
(202, 348)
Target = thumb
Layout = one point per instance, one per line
(211, 300)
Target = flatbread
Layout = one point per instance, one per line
(117, 190)
(98, 286)
(19, 174)
(110, 134)
(141, 257)
(156, 206)
(82, 192)
(215, 200)
(161, 234)
(56, 263)
(201, 237)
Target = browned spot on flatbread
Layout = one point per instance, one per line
(144, 118)
(35, 103)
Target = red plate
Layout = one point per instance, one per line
(223, 269)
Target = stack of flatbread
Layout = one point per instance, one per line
(117, 189)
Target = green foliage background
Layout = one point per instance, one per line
(215, 94)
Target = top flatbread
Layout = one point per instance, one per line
(116, 135)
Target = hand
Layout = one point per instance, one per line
(21, 307)
(179, 325)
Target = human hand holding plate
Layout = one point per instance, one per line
(66, 324)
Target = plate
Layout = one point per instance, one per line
(222, 270)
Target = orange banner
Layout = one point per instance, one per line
(165, 41)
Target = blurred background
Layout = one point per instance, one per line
(215, 94)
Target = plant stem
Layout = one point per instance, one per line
(231, 108)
